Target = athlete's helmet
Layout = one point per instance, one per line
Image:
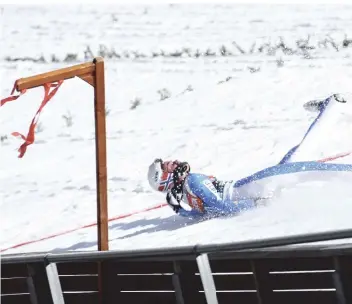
(159, 179)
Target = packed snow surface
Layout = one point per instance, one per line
(228, 116)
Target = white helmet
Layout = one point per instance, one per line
(159, 179)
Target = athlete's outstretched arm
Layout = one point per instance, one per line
(194, 214)
(175, 205)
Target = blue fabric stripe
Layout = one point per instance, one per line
(294, 167)
(293, 150)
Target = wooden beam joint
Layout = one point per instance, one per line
(84, 71)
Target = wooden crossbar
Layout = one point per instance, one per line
(61, 74)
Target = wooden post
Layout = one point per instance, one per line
(92, 73)
(100, 146)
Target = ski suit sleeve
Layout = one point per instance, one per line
(194, 214)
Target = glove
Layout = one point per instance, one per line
(219, 185)
(181, 172)
(174, 199)
(174, 196)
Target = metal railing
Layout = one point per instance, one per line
(252, 272)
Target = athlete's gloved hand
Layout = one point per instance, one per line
(174, 196)
(219, 185)
(180, 172)
(174, 199)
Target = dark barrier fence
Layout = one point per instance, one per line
(265, 271)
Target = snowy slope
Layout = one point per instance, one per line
(229, 129)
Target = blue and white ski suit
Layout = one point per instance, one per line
(208, 196)
(200, 193)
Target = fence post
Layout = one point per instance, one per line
(38, 284)
(343, 278)
(183, 279)
(54, 283)
(100, 146)
(207, 279)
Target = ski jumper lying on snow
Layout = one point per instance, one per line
(197, 195)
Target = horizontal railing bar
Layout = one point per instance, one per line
(259, 248)
(275, 252)
(23, 258)
(198, 249)
(280, 241)
(285, 252)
